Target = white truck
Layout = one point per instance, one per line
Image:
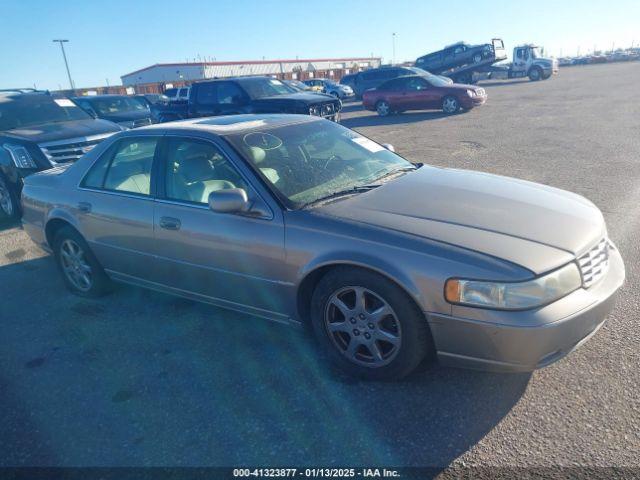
(528, 61)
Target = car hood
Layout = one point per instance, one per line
(60, 131)
(127, 116)
(532, 225)
(301, 97)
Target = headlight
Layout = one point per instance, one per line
(314, 110)
(514, 295)
(20, 155)
(471, 93)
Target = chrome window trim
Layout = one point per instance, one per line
(118, 193)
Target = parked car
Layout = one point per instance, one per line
(298, 219)
(349, 80)
(377, 76)
(330, 87)
(126, 111)
(420, 92)
(460, 54)
(177, 94)
(38, 132)
(230, 96)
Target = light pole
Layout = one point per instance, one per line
(66, 64)
(393, 41)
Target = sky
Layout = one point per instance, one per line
(110, 38)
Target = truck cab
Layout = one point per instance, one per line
(528, 61)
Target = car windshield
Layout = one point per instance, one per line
(109, 106)
(298, 84)
(265, 87)
(437, 80)
(315, 160)
(36, 109)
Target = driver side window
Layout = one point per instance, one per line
(195, 168)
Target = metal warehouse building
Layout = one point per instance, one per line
(156, 78)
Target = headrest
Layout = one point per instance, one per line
(257, 154)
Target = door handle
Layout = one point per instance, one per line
(84, 207)
(170, 223)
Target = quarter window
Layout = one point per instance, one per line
(196, 168)
(125, 167)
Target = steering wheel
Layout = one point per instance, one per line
(332, 158)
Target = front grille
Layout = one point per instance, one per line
(324, 110)
(594, 263)
(71, 149)
(328, 109)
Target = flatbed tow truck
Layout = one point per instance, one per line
(527, 62)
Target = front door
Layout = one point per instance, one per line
(520, 60)
(115, 207)
(229, 259)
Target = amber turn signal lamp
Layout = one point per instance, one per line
(452, 290)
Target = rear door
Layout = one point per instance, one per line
(116, 211)
(229, 259)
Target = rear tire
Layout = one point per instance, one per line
(80, 269)
(387, 345)
(383, 108)
(450, 104)
(9, 199)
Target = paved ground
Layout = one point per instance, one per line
(144, 379)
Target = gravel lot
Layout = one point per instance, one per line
(142, 379)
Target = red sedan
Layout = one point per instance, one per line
(421, 92)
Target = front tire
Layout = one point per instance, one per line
(80, 269)
(535, 74)
(9, 199)
(450, 104)
(383, 108)
(367, 326)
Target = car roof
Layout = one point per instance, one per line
(229, 124)
(98, 97)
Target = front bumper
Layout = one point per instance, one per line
(530, 339)
(470, 102)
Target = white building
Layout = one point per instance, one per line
(156, 77)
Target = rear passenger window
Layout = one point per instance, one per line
(126, 167)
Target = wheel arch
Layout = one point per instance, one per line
(55, 222)
(314, 273)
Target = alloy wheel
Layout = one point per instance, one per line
(75, 265)
(363, 326)
(383, 109)
(450, 105)
(6, 202)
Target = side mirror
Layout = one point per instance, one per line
(232, 200)
(389, 147)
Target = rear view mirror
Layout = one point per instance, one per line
(232, 200)
(389, 147)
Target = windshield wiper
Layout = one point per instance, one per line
(340, 193)
(389, 175)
